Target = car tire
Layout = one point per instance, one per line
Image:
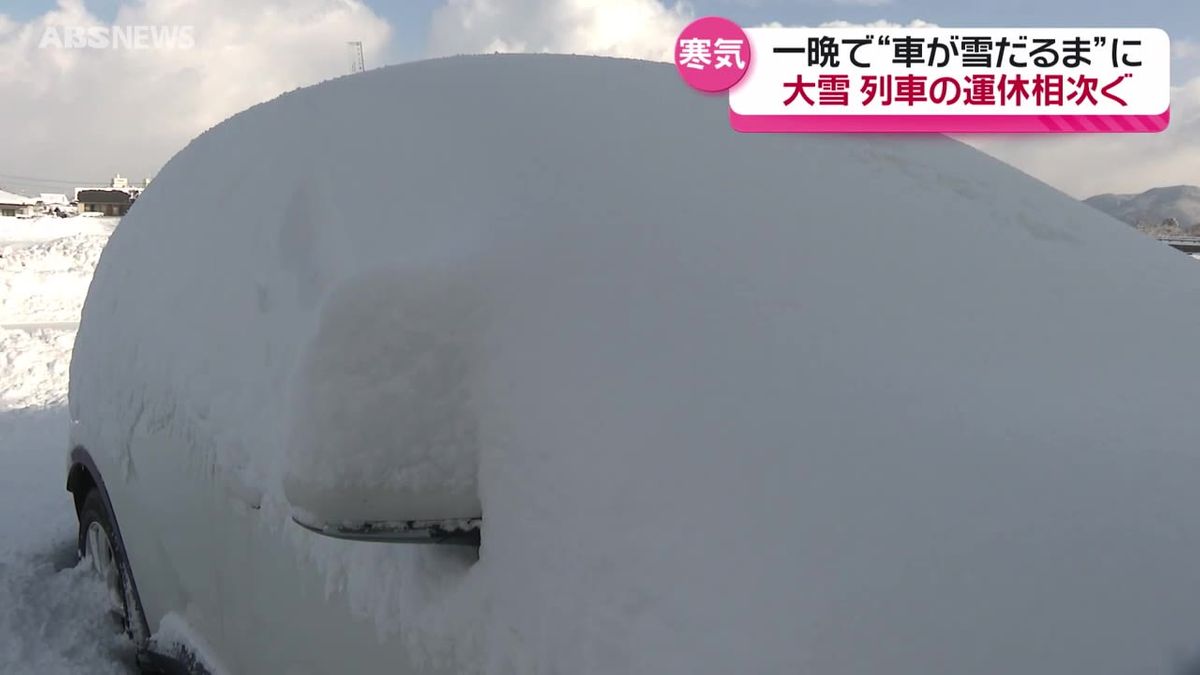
(98, 545)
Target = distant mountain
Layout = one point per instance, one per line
(1160, 211)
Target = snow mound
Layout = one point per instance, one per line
(45, 228)
(53, 610)
(34, 365)
(729, 403)
(45, 281)
(402, 344)
(45, 270)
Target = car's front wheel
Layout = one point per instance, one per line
(96, 546)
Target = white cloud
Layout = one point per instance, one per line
(1087, 164)
(838, 23)
(87, 113)
(915, 23)
(1185, 49)
(643, 29)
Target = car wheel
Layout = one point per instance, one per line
(96, 545)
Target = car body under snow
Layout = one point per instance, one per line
(724, 403)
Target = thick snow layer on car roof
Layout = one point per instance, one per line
(738, 403)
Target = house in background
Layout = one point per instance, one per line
(105, 201)
(12, 204)
(113, 200)
(55, 204)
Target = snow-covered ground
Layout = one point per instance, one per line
(51, 612)
(46, 265)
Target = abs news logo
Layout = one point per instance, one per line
(118, 37)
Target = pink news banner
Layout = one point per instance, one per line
(927, 79)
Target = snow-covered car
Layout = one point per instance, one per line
(697, 402)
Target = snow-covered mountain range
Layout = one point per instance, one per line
(1173, 210)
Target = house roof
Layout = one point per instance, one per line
(13, 198)
(104, 196)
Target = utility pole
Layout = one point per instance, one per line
(357, 65)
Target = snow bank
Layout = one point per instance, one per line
(53, 619)
(45, 228)
(739, 403)
(53, 614)
(34, 367)
(46, 266)
(174, 637)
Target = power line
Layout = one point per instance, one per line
(56, 181)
